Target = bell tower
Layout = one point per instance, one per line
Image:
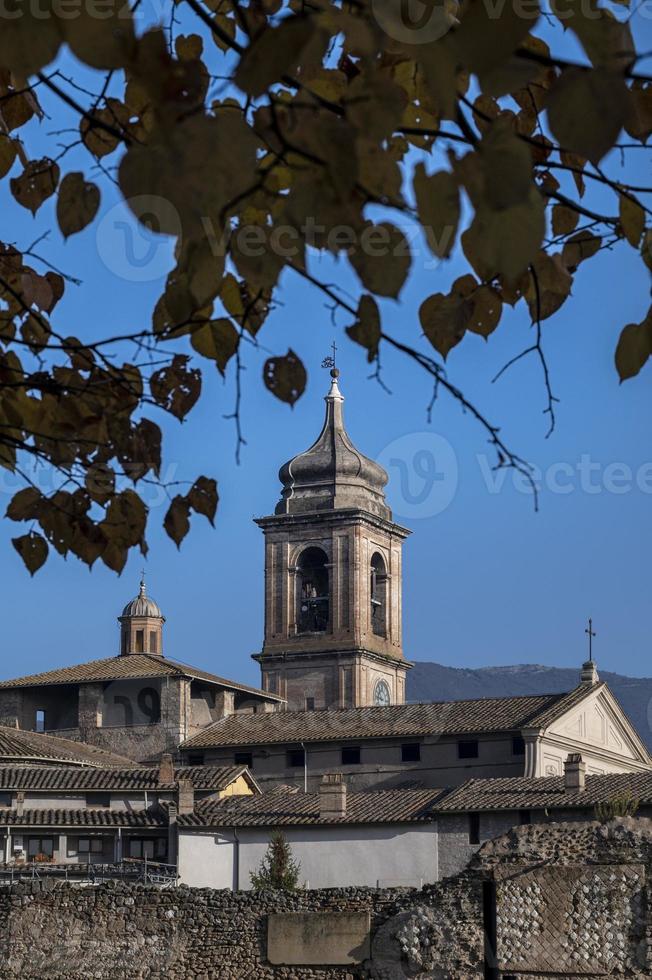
(333, 578)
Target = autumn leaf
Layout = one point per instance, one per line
(177, 519)
(587, 110)
(24, 505)
(632, 219)
(33, 549)
(381, 257)
(634, 348)
(37, 182)
(366, 329)
(203, 497)
(564, 220)
(285, 377)
(78, 202)
(276, 52)
(216, 339)
(438, 204)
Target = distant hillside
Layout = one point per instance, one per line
(434, 682)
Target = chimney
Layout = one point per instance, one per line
(166, 769)
(185, 796)
(332, 797)
(20, 803)
(574, 774)
(224, 703)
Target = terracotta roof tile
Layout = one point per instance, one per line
(53, 779)
(449, 717)
(520, 792)
(281, 807)
(17, 745)
(82, 818)
(133, 665)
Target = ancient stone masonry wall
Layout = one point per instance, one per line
(560, 901)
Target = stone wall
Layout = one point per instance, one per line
(556, 901)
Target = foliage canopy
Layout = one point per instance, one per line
(273, 134)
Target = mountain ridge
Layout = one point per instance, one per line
(430, 681)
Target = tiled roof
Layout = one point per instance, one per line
(443, 718)
(82, 818)
(20, 746)
(133, 665)
(539, 793)
(54, 778)
(282, 807)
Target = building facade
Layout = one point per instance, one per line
(333, 604)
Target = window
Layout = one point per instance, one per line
(40, 845)
(98, 799)
(83, 846)
(518, 745)
(351, 756)
(244, 759)
(140, 641)
(310, 704)
(524, 817)
(382, 694)
(39, 720)
(411, 752)
(296, 758)
(152, 848)
(378, 594)
(153, 645)
(5, 799)
(468, 749)
(474, 828)
(196, 759)
(312, 592)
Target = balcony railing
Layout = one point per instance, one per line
(131, 869)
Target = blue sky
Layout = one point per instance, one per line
(487, 580)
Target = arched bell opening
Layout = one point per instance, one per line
(313, 594)
(378, 594)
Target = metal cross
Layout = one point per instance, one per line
(329, 362)
(589, 632)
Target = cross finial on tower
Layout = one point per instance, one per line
(330, 361)
(142, 581)
(590, 633)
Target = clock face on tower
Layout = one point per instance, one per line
(382, 696)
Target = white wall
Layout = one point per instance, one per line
(330, 856)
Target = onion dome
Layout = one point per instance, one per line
(333, 474)
(142, 605)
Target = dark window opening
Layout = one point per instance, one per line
(153, 644)
(5, 799)
(296, 758)
(468, 749)
(244, 759)
(313, 592)
(411, 752)
(271, 682)
(378, 592)
(125, 638)
(196, 759)
(152, 848)
(83, 846)
(140, 641)
(518, 745)
(310, 704)
(351, 756)
(524, 817)
(38, 847)
(98, 799)
(39, 720)
(474, 828)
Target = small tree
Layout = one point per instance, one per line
(278, 869)
(622, 804)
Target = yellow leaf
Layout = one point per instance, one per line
(7, 154)
(486, 311)
(580, 247)
(77, 203)
(587, 110)
(444, 320)
(639, 123)
(188, 47)
(438, 205)
(507, 166)
(505, 242)
(217, 340)
(632, 219)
